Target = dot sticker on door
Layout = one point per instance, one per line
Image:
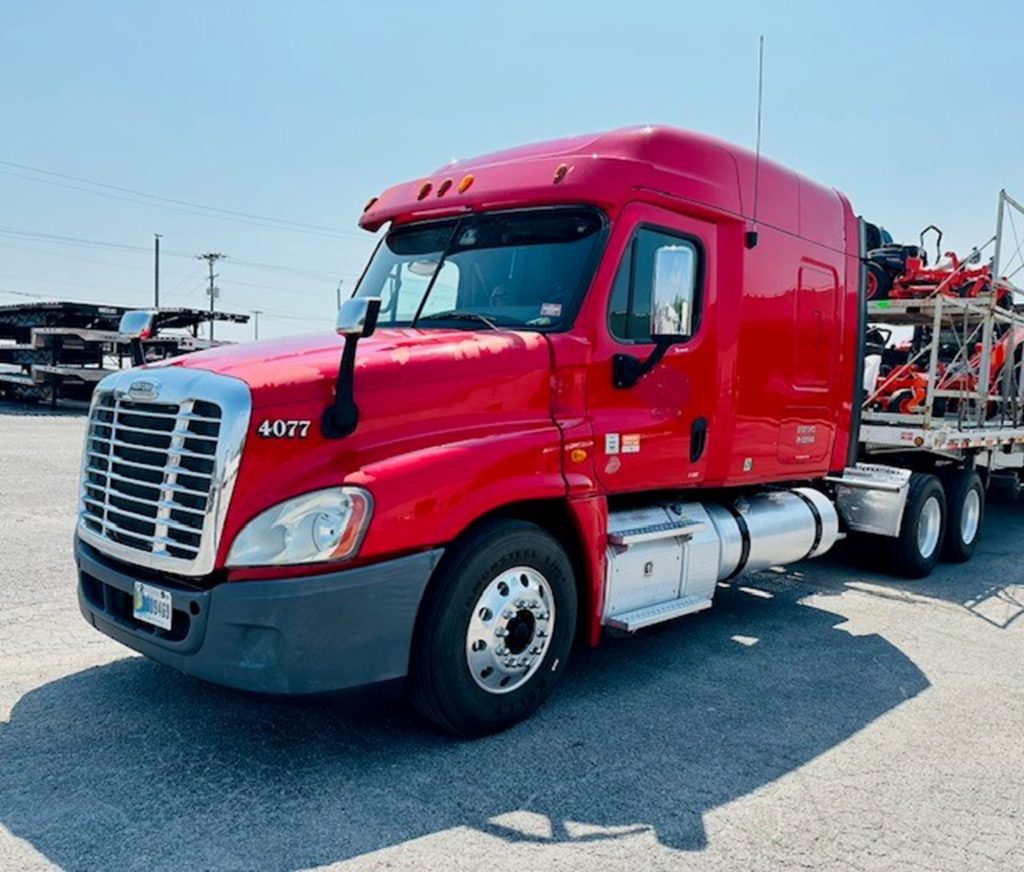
(611, 443)
(630, 443)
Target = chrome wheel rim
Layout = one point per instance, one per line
(928, 527)
(970, 517)
(510, 629)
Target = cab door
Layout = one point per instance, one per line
(655, 433)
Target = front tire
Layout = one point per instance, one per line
(965, 497)
(915, 551)
(495, 631)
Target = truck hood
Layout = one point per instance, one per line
(306, 367)
(417, 391)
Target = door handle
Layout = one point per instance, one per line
(698, 438)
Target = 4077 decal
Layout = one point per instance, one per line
(281, 428)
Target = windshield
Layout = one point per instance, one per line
(501, 269)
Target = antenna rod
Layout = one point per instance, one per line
(760, 101)
(751, 236)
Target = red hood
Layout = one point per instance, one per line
(304, 367)
(416, 390)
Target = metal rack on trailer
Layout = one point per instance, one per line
(943, 394)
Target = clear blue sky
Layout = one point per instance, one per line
(300, 111)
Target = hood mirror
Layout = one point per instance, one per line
(357, 318)
(138, 324)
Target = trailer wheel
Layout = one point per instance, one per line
(915, 551)
(494, 633)
(965, 497)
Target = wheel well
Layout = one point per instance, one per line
(554, 517)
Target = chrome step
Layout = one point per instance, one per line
(648, 615)
(651, 532)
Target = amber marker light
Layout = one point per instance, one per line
(465, 183)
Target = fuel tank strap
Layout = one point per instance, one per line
(818, 528)
(741, 524)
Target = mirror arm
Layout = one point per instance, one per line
(627, 370)
(138, 355)
(341, 417)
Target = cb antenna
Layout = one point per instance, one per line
(751, 236)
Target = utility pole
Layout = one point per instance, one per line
(256, 323)
(340, 283)
(156, 270)
(211, 257)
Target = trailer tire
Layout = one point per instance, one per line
(965, 501)
(915, 551)
(507, 587)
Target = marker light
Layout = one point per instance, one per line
(322, 525)
(444, 186)
(465, 183)
(369, 203)
(560, 172)
(424, 190)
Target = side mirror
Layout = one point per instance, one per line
(672, 293)
(137, 324)
(358, 316)
(672, 296)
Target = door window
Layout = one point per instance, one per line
(657, 266)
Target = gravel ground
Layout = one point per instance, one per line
(824, 717)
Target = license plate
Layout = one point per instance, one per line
(152, 605)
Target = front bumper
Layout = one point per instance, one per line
(301, 635)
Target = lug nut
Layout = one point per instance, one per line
(500, 632)
(542, 634)
(508, 613)
(501, 651)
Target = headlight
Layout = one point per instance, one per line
(322, 525)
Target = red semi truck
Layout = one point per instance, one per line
(579, 384)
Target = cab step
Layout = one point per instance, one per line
(637, 619)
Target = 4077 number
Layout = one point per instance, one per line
(281, 428)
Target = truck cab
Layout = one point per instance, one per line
(579, 384)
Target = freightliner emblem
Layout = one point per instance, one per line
(143, 390)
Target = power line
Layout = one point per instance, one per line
(60, 239)
(172, 202)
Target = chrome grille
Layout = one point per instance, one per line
(149, 473)
(156, 472)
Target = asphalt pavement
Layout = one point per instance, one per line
(826, 716)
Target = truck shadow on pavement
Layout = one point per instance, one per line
(990, 586)
(133, 766)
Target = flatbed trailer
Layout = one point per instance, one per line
(60, 350)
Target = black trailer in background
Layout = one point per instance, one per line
(57, 351)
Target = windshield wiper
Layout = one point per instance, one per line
(459, 315)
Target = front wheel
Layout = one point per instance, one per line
(915, 551)
(496, 629)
